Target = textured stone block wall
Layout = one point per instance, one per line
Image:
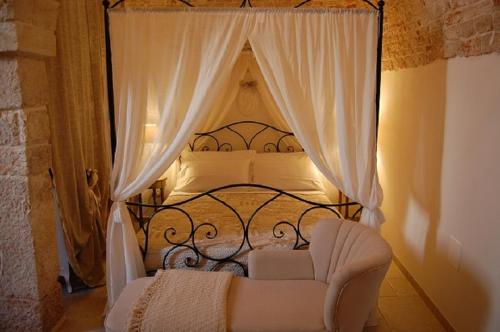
(471, 28)
(417, 32)
(30, 298)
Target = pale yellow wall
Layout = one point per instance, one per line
(439, 163)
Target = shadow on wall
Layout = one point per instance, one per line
(411, 146)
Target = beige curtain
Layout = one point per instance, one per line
(80, 134)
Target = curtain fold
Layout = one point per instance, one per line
(320, 68)
(169, 67)
(225, 100)
(267, 97)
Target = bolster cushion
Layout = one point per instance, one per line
(280, 265)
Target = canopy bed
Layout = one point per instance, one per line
(213, 223)
(167, 67)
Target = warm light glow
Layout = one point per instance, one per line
(150, 130)
(416, 227)
(384, 101)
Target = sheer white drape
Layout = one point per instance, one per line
(225, 100)
(169, 67)
(266, 96)
(320, 68)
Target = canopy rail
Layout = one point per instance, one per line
(109, 66)
(245, 3)
(371, 4)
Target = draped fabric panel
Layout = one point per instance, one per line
(267, 97)
(320, 68)
(80, 135)
(169, 67)
(225, 100)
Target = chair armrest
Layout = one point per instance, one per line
(352, 293)
(280, 265)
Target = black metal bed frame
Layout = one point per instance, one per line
(248, 142)
(190, 242)
(211, 231)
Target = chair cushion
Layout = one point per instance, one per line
(253, 305)
(276, 305)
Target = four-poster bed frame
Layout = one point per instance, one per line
(210, 231)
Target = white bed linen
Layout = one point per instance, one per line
(288, 171)
(202, 171)
(230, 232)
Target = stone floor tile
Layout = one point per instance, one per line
(402, 286)
(386, 289)
(84, 311)
(394, 272)
(408, 314)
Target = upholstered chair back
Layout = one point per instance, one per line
(353, 260)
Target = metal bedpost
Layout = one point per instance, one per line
(381, 4)
(109, 80)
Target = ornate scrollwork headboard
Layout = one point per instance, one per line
(249, 135)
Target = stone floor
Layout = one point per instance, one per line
(400, 308)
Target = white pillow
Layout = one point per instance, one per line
(202, 171)
(286, 171)
(217, 155)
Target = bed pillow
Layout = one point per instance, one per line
(202, 171)
(286, 171)
(217, 155)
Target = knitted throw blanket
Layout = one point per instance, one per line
(182, 300)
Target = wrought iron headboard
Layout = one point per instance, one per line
(277, 144)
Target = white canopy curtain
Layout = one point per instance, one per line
(170, 66)
(246, 63)
(225, 100)
(320, 68)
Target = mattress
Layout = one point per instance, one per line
(219, 232)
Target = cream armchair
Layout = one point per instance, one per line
(333, 286)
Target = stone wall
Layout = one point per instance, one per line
(417, 32)
(471, 28)
(30, 298)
